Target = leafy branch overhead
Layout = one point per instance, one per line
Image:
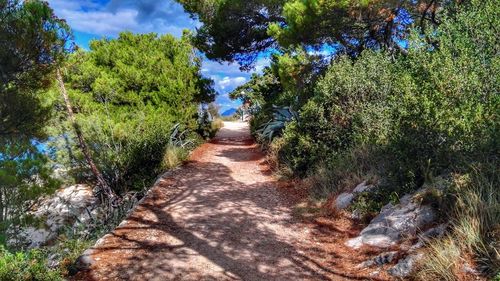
(236, 30)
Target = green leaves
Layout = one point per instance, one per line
(234, 30)
(32, 41)
(429, 111)
(128, 93)
(30, 265)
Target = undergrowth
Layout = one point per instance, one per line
(475, 234)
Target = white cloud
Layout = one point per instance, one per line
(261, 64)
(136, 16)
(228, 82)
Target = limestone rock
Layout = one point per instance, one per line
(435, 232)
(67, 206)
(393, 223)
(405, 266)
(344, 200)
(83, 262)
(381, 259)
(385, 258)
(362, 187)
(30, 237)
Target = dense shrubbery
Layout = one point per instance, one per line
(427, 112)
(135, 100)
(128, 94)
(30, 265)
(402, 120)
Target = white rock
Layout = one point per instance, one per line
(365, 264)
(378, 260)
(29, 237)
(435, 232)
(385, 258)
(62, 209)
(405, 266)
(416, 246)
(393, 223)
(344, 200)
(378, 240)
(362, 187)
(355, 243)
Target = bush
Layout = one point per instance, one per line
(428, 113)
(448, 113)
(127, 94)
(174, 156)
(28, 266)
(350, 107)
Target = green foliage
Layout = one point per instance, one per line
(234, 29)
(24, 176)
(353, 24)
(208, 123)
(349, 108)
(32, 40)
(429, 111)
(26, 266)
(127, 94)
(449, 112)
(68, 250)
(274, 128)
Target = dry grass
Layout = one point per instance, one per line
(217, 124)
(344, 172)
(174, 156)
(475, 234)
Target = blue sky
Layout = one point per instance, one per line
(93, 19)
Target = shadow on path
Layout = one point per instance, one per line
(202, 224)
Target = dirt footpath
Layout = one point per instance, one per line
(219, 217)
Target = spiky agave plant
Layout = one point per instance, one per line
(178, 138)
(274, 128)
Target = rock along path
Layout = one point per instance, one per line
(219, 217)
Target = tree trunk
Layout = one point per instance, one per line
(83, 145)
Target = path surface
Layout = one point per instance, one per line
(219, 217)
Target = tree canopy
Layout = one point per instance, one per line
(127, 94)
(239, 30)
(234, 30)
(32, 40)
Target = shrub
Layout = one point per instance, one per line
(349, 108)
(28, 266)
(429, 112)
(127, 94)
(447, 114)
(174, 156)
